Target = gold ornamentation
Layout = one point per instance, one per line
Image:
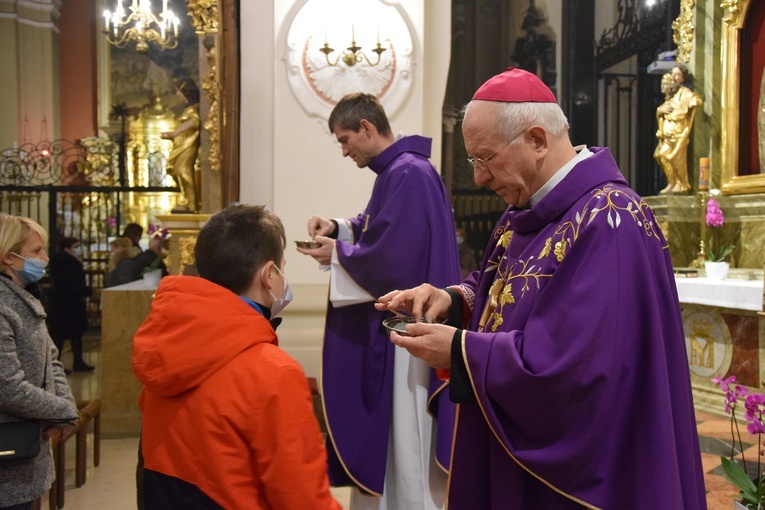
(612, 203)
(732, 6)
(560, 250)
(491, 303)
(506, 297)
(203, 15)
(504, 239)
(97, 166)
(546, 249)
(734, 180)
(211, 86)
(683, 27)
(186, 251)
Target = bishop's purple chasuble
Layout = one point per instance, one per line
(576, 355)
(404, 237)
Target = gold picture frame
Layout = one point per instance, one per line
(733, 22)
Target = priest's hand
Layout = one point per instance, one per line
(432, 343)
(318, 226)
(425, 303)
(322, 254)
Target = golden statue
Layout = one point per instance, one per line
(675, 120)
(183, 158)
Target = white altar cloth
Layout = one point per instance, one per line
(738, 294)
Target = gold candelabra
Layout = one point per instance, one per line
(702, 255)
(353, 54)
(142, 26)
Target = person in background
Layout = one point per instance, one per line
(566, 349)
(468, 262)
(227, 416)
(32, 381)
(120, 248)
(134, 232)
(68, 316)
(381, 403)
(118, 251)
(151, 259)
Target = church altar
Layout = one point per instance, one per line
(724, 334)
(737, 294)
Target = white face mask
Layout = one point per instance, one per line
(281, 303)
(77, 251)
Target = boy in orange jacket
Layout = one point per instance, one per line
(228, 419)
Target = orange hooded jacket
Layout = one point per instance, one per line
(224, 408)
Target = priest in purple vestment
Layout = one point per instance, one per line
(569, 361)
(389, 418)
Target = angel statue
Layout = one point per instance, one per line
(183, 158)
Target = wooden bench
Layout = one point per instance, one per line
(90, 410)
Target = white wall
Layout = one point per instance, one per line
(291, 164)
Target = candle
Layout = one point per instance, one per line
(703, 174)
(106, 20)
(378, 36)
(353, 33)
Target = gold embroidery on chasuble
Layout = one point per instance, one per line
(366, 223)
(607, 204)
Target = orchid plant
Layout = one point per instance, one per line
(716, 251)
(752, 490)
(157, 231)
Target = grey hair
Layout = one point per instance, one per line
(515, 118)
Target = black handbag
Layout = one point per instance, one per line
(19, 440)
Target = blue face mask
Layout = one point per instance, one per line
(34, 269)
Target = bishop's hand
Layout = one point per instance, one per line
(426, 303)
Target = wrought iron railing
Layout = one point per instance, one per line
(85, 189)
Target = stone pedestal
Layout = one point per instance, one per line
(123, 310)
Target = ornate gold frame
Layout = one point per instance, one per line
(733, 22)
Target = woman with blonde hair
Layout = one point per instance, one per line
(33, 386)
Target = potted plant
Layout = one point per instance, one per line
(751, 487)
(716, 266)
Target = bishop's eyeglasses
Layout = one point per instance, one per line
(474, 161)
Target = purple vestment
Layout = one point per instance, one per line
(576, 354)
(404, 237)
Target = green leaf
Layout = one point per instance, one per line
(736, 475)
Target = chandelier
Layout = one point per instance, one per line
(142, 26)
(353, 54)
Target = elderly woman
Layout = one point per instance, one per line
(32, 381)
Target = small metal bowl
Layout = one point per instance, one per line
(309, 245)
(398, 324)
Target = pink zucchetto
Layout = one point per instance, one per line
(515, 86)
